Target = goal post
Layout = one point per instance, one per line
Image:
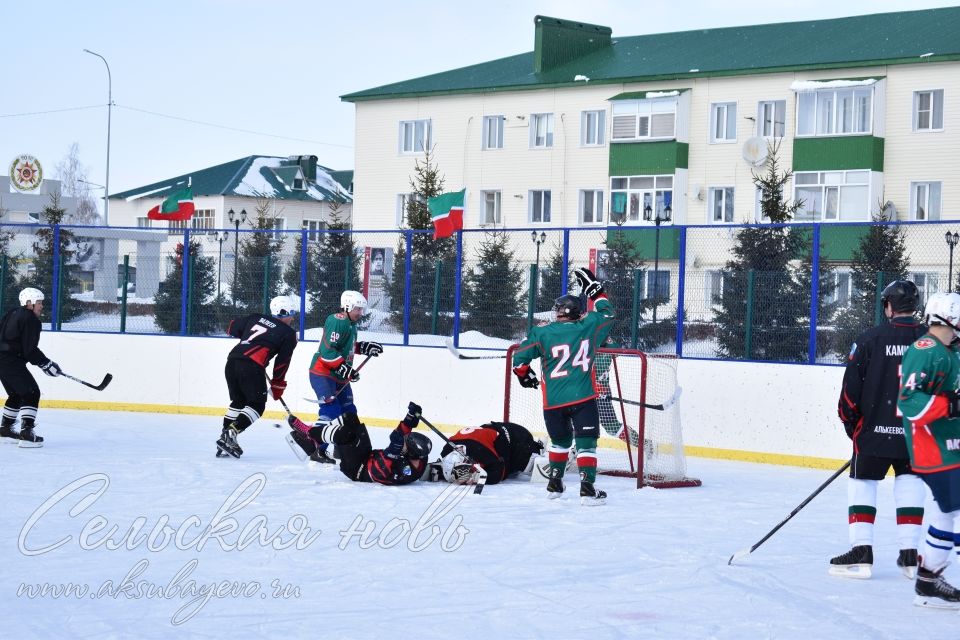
(635, 442)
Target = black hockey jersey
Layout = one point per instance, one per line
(871, 384)
(20, 334)
(261, 338)
(501, 448)
(391, 466)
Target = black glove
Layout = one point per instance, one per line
(849, 427)
(528, 379)
(51, 368)
(372, 349)
(412, 419)
(346, 372)
(589, 284)
(953, 404)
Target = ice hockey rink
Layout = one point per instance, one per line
(154, 537)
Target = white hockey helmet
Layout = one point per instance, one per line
(943, 309)
(350, 300)
(284, 306)
(30, 295)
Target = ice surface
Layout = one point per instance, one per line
(650, 564)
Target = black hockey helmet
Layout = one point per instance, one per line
(418, 446)
(902, 295)
(568, 307)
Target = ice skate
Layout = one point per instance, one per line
(933, 591)
(9, 434)
(29, 439)
(856, 563)
(554, 484)
(590, 496)
(908, 563)
(227, 444)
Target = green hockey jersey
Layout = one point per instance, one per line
(336, 347)
(566, 351)
(929, 370)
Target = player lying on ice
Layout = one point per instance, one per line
(402, 462)
(502, 449)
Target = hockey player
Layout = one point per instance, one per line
(502, 449)
(261, 338)
(566, 349)
(19, 336)
(868, 410)
(402, 462)
(331, 371)
(930, 404)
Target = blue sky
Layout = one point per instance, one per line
(274, 68)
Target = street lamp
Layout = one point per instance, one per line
(221, 237)
(658, 219)
(952, 240)
(106, 189)
(538, 242)
(237, 220)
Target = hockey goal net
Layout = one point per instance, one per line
(635, 441)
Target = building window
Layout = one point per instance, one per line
(714, 286)
(658, 284)
(832, 195)
(414, 136)
(298, 184)
(835, 112)
(278, 225)
(203, 221)
(144, 222)
(493, 132)
(539, 206)
(842, 288)
(176, 227)
(925, 200)
(314, 229)
(772, 118)
(721, 204)
(592, 126)
(723, 122)
(541, 130)
(591, 206)
(489, 207)
(644, 119)
(927, 283)
(403, 203)
(629, 196)
(928, 110)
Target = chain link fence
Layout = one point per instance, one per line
(779, 293)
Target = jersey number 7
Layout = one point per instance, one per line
(255, 332)
(581, 359)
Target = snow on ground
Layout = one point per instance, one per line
(507, 563)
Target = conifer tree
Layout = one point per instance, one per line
(43, 261)
(203, 317)
(492, 298)
(9, 292)
(259, 264)
(619, 270)
(551, 278)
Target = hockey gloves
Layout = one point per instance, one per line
(51, 368)
(589, 284)
(346, 372)
(277, 387)
(412, 419)
(372, 349)
(528, 379)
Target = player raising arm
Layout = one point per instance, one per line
(566, 349)
(930, 404)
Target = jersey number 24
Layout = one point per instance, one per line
(562, 353)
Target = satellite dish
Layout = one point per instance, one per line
(755, 151)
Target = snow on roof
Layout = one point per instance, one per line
(813, 85)
(255, 181)
(662, 94)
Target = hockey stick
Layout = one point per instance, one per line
(99, 387)
(329, 399)
(672, 400)
(743, 553)
(463, 356)
(481, 472)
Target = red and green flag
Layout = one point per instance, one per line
(446, 212)
(177, 206)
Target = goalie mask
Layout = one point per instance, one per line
(455, 466)
(418, 446)
(944, 309)
(567, 308)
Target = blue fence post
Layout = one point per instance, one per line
(408, 269)
(681, 289)
(184, 281)
(303, 281)
(55, 285)
(565, 268)
(814, 294)
(458, 290)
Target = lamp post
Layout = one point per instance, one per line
(537, 241)
(952, 240)
(106, 189)
(237, 220)
(658, 219)
(221, 237)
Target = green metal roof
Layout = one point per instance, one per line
(859, 41)
(253, 176)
